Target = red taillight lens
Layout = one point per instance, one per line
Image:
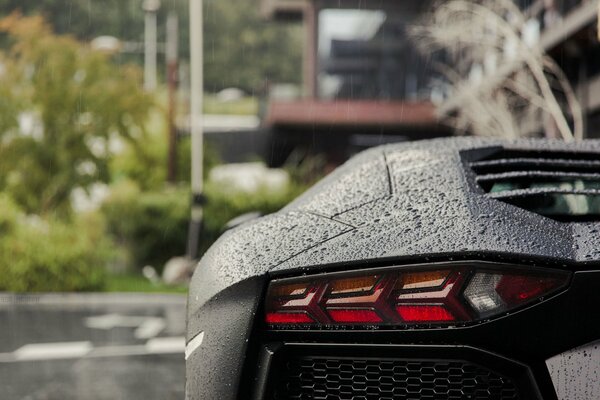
(491, 293)
(424, 313)
(396, 297)
(354, 316)
(289, 318)
(514, 290)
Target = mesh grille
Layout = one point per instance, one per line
(317, 378)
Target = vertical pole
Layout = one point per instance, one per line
(583, 94)
(172, 80)
(311, 49)
(196, 95)
(598, 23)
(150, 38)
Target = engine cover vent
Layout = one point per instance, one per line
(564, 186)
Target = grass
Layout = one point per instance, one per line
(139, 284)
(248, 105)
(243, 106)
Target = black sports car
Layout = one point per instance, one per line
(447, 269)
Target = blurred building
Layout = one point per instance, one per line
(364, 81)
(569, 33)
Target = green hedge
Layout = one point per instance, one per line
(224, 205)
(152, 227)
(46, 255)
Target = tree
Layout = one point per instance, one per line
(242, 49)
(500, 82)
(87, 19)
(63, 107)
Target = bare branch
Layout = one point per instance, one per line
(498, 82)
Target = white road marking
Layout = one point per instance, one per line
(75, 350)
(166, 345)
(146, 327)
(51, 351)
(150, 328)
(193, 345)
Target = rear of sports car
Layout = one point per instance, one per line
(450, 269)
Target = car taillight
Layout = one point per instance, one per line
(423, 296)
(493, 292)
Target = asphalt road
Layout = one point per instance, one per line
(96, 347)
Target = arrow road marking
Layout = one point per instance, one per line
(150, 328)
(146, 327)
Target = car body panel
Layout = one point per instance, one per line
(412, 202)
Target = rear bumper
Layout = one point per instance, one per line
(330, 370)
(519, 343)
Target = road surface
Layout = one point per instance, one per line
(93, 347)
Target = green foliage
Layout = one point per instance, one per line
(86, 18)
(242, 49)
(48, 255)
(76, 99)
(138, 283)
(306, 169)
(78, 104)
(243, 106)
(147, 167)
(144, 162)
(151, 226)
(9, 215)
(210, 159)
(223, 205)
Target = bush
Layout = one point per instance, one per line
(223, 205)
(152, 226)
(147, 164)
(46, 255)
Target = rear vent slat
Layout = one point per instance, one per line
(560, 185)
(541, 164)
(539, 175)
(520, 193)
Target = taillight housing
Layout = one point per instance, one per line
(438, 295)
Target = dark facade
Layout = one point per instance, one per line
(369, 68)
(364, 82)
